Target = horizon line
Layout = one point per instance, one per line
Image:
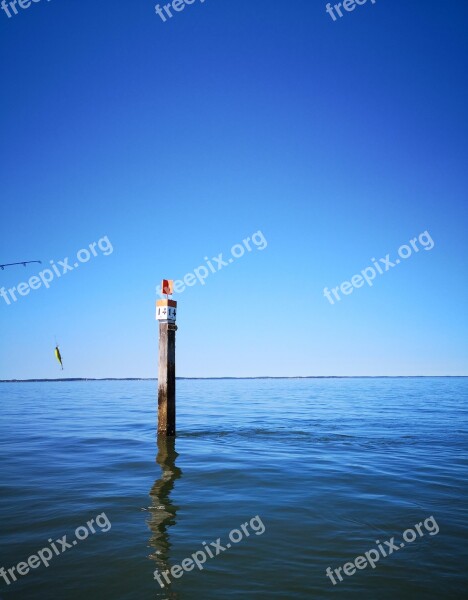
(70, 379)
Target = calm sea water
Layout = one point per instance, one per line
(329, 466)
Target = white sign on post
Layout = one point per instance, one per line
(166, 313)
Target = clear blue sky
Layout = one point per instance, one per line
(340, 141)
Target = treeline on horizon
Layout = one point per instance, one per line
(71, 379)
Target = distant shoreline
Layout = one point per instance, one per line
(70, 379)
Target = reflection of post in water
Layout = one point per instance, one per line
(162, 510)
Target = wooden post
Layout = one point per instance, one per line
(166, 315)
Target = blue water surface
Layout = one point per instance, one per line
(329, 467)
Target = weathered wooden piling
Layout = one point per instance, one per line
(166, 311)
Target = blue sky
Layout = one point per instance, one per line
(339, 141)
